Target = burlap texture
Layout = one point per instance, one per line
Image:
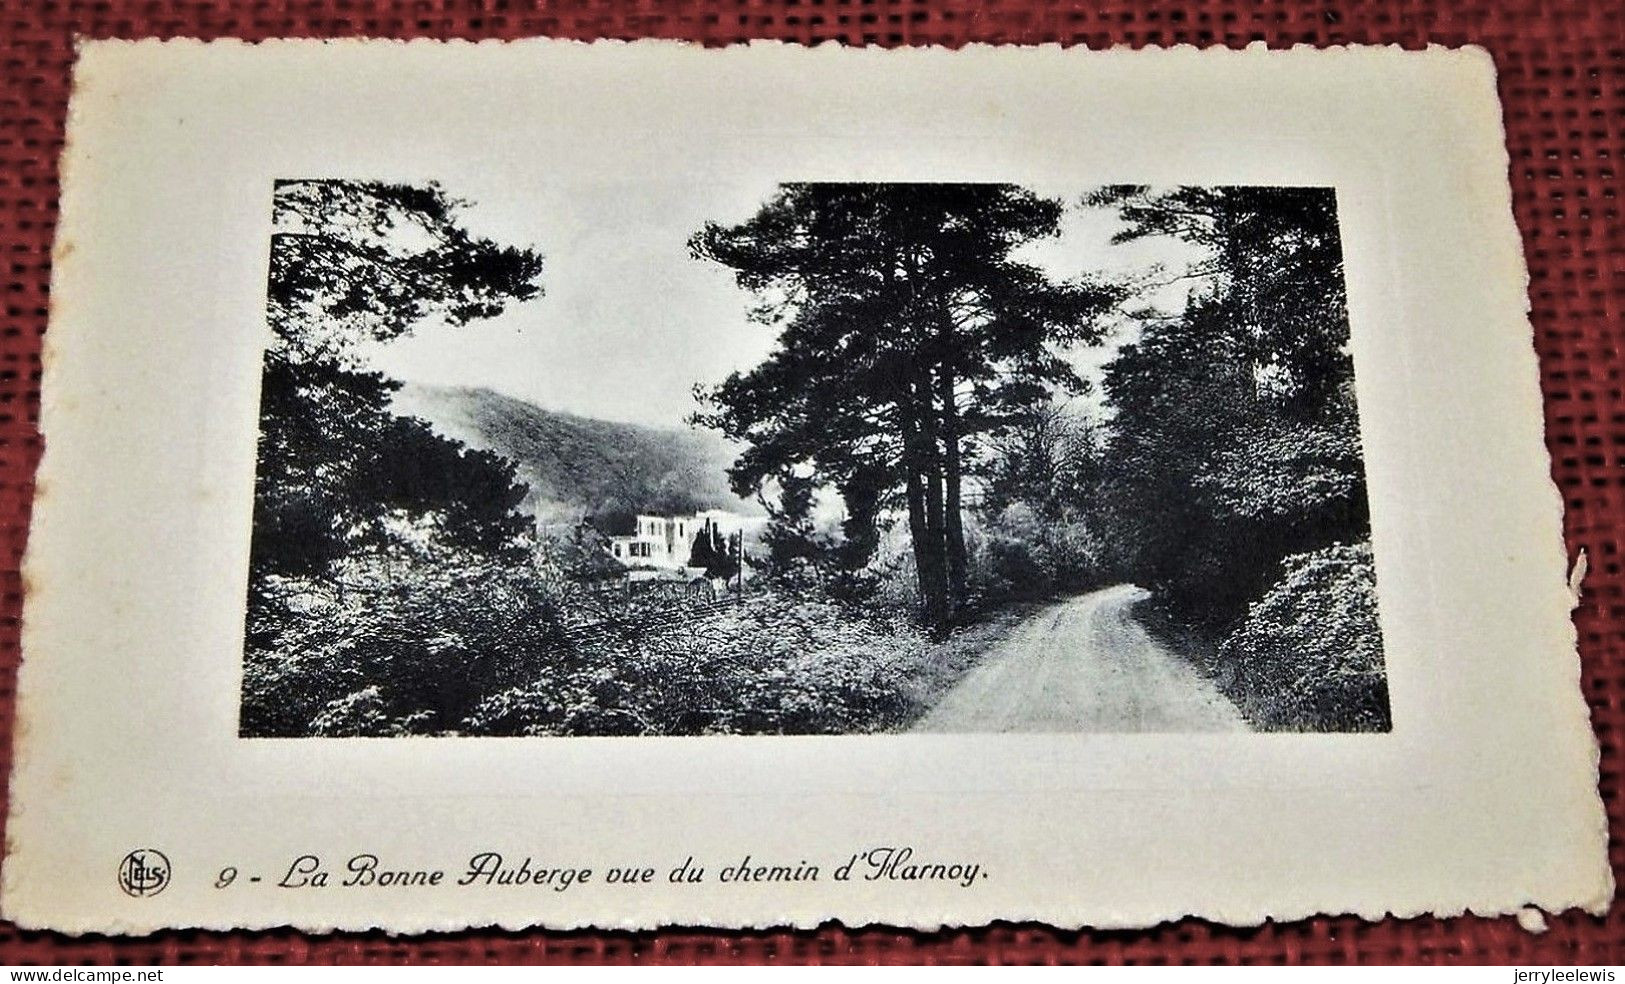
(1562, 82)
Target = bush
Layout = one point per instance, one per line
(1020, 554)
(404, 642)
(1308, 655)
(427, 639)
(777, 665)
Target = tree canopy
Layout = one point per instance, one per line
(349, 496)
(353, 262)
(1235, 441)
(909, 330)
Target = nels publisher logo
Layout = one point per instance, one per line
(143, 872)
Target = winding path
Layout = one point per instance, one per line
(1084, 664)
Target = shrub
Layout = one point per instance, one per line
(776, 665)
(444, 642)
(1020, 554)
(1308, 655)
(403, 642)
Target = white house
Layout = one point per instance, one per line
(667, 542)
(655, 541)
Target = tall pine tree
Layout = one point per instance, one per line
(351, 501)
(908, 330)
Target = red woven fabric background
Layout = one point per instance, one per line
(1562, 82)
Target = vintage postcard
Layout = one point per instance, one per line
(632, 484)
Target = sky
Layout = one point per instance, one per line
(629, 322)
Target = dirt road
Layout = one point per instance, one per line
(1084, 664)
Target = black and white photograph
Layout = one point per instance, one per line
(819, 458)
(632, 485)
(814, 458)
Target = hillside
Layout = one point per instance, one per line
(582, 465)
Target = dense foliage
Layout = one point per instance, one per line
(908, 331)
(399, 584)
(388, 568)
(776, 664)
(398, 588)
(391, 643)
(1308, 656)
(1234, 440)
(921, 369)
(1233, 453)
